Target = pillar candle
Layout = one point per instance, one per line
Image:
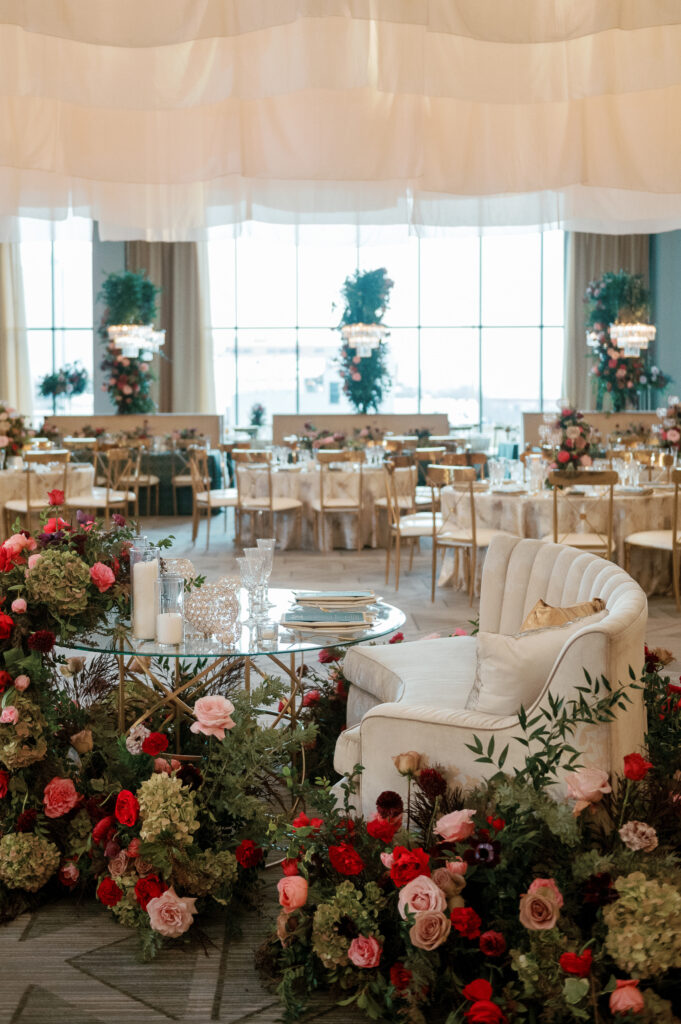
(169, 628)
(144, 575)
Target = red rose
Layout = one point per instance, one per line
(302, 821)
(290, 866)
(5, 680)
(4, 784)
(498, 824)
(108, 892)
(383, 828)
(248, 854)
(408, 864)
(326, 656)
(396, 638)
(101, 829)
(492, 943)
(155, 743)
(6, 623)
(563, 456)
(400, 976)
(485, 1012)
(127, 808)
(311, 697)
(54, 524)
(574, 964)
(478, 989)
(55, 497)
(466, 922)
(636, 767)
(345, 860)
(148, 888)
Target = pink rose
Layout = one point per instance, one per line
(460, 632)
(9, 716)
(454, 827)
(585, 460)
(162, 766)
(292, 891)
(33, 561)
(69, 873)
(550, 888)
(59, 797)
(626, 998)
(429, 930)
(587, 786)
(171, 915)
(457, 867)
(365, 951)
(213, 716)
(102, 576)
(17, 543)
(19, 606)
(22, 683)
(118, 865)
(133, 847)
(451, 885)
(422, 893)
(538, 910)
(387, 860)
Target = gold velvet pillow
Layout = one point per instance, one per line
(544, 615)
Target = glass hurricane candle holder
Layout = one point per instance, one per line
(170, 610)
(144, 571)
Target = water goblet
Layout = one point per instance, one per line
(267, 546)
(249, 581)
(258, 560)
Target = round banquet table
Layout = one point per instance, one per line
(301, 481)
(80, 480)
(531, 515)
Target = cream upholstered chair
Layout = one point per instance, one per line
(597, 539)
(205, 499)
(413, 696)
(28, 509)
(661, 540)
(329, 504)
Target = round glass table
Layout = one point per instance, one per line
(163, 671)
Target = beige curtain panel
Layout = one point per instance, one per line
(15, 376)
(588, 257)
(161, 118)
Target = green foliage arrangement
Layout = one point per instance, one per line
(619, 296)
(130, 299)
(366, 297)
(510, 903)
(70, 380)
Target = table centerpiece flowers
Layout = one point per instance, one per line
(669, 433)
(579, 443)
(14, 431)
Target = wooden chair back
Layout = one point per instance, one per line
(250, 466)
(41, 457)
(460, 481)
(400, 487)
(325, 458)
(574, 504)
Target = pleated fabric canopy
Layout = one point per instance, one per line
(163, 118)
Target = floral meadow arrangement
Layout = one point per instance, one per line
(669, 433)
(130, 298)
(14, 431)
(578, 444)
(507, 903)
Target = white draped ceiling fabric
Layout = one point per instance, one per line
(162, 118)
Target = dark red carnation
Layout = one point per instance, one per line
(6, 623)
(43, 640)
(396, 638)
(383, 828)
(302, 821)
(108, 892)
(148, 888)
(26, 820)
(432, 783)
(190, 775)
(400, 976)
(127, 808)
(345, 860)
(5, 680)
(573, 963)
(636, 767)
(466, 922)
(389, 804)
(248, 855)
(408, 864)
(492, 943)
(4, 784)
(155, 743)
(100, 832)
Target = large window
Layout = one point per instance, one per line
(58, 296)
(476, 323)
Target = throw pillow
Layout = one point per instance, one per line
(543, 614)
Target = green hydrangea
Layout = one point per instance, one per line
(167, 810)
(209, 873)
(78, 838)
(24, 743)
(127, 911)
(362, 908)
(644, 926)
(60, 582)
(27, 861)
(657, 1010)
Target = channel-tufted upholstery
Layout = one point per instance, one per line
(412, 696)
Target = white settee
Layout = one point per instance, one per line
(413, 696)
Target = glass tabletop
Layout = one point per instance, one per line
(252, 642)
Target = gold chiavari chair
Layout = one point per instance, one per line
(113, 466)
(204, 498)
(661, 540)
(409, 527)
(328, 504)
(255, 493)
(405, 483)
(139, 481)
(28, 509)
(577, 508)
(180, 473)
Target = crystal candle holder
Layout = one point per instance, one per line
(170, 610)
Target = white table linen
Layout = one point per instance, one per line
(531, 515)
(80, 480)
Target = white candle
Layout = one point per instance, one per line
(169, 628)
(144, 576)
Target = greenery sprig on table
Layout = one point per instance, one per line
(130, 298)
(366, 296)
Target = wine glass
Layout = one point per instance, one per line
(267, 546)
(249, 581)
(258, 560)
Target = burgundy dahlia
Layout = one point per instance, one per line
(43, 640)
(389, 804)
(432, 783)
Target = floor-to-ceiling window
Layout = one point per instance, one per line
(58, 295)
(476, 323)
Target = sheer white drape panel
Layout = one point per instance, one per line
(15, 377)
(587, 257)
(162, 118)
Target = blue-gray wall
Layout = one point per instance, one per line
(665, 279)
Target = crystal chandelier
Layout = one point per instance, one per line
(364, 338)
(134, 340)
(631, 338)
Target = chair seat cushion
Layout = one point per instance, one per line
(404, 501)
(280, 504)
(418, 524)
(348, 751)
(182, 480)
(483, 537)
(96, 498)
(661, 539)
(437, 672)
(143, 480)
(335, 505)
(588, 541)
(217, 498)
(19, 504)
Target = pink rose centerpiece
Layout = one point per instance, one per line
(213, 716)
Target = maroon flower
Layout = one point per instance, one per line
(492, 944)
(43, 640)
(432, 783)
(4, 784)
(248, 855)
(118, 519)
(154, 744)
(26, 820)
(190, 775)
(389, 804)
(466, 922)
(400, 976)
(598, 890)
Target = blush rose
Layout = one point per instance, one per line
(292, 891)
(422, 893)
(454, 827)
(365, 951)
(430, 929)
(213, 716)
(59, 797)
(102, 576)
(171, 915)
